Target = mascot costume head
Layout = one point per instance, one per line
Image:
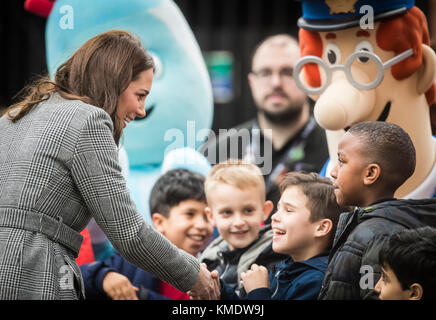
(180, 103)
(367, 60)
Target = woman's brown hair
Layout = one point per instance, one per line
(97, 73)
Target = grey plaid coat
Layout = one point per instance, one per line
(58, 168)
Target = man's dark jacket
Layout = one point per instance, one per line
(353, 268)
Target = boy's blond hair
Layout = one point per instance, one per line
(235, 173)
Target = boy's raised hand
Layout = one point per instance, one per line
(119, 287)
(256, 277)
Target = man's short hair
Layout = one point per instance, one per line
(320, 193)
(235, 173)
(174, 187)
(390, 147)
(282, 39)
(411, 254)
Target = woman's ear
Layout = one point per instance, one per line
(416, 291)
(427, 70)
(159, 222)
(371, 173)
(267, 208)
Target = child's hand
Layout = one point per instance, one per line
(119, 287)
(216, 279)
(256, 277)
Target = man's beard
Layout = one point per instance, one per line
(290, 114)
(285, 117)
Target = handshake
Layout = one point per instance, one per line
(208, 286)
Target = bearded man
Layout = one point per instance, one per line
(284, 136)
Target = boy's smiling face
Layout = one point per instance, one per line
(237, 213)
(348, 172)
(293, 230)
(186, 226)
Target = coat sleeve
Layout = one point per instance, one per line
(93, 274)
(227, 292)
(97, 174)
(341, 281)
(370, 269)
(259, 294)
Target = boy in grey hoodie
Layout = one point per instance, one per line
(235, 194)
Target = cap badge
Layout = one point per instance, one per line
(341, 6)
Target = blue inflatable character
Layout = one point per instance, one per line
(180, 106)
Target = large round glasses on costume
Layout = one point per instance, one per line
(328, 69)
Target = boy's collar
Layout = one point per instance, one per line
(380, 201)
(318, 262)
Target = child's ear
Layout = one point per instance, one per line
(209, 215)
(371, 173)
(159, 221)
(416, 291)
(323, 227)
(267, 208)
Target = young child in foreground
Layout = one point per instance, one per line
(374, 160)
(235, 193)
(304, 226)
(408, 263)
(177, 203)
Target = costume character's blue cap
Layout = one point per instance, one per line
(330, 15)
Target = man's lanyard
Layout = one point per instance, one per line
(290, 161)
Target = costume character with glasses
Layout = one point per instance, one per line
(283, 136)
(359, 71)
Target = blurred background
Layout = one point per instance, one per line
(226, 30)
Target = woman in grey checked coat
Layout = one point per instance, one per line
(59, 168)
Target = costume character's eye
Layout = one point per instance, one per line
(333, 53)
(364, 46)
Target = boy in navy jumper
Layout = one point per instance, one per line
(304, 226)
(177, 203)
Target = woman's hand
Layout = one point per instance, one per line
(256, 277)
(207, 286)
(119, 287)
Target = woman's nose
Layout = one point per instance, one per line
(141, 111)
